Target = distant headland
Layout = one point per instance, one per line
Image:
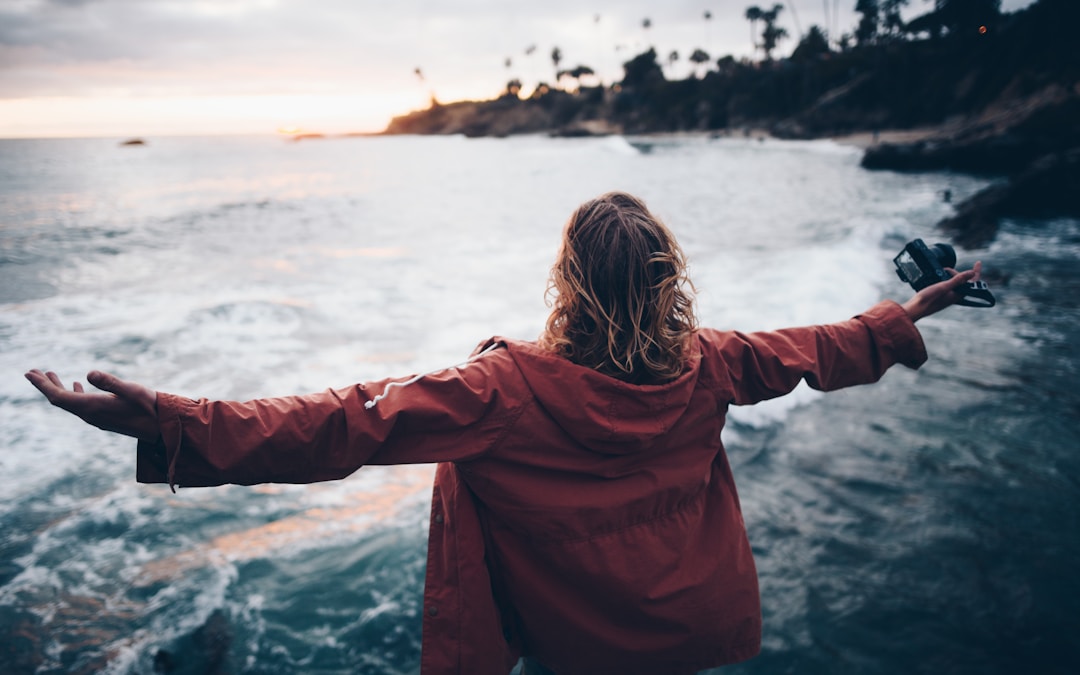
(972, 89)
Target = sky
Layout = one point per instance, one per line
(124, 68)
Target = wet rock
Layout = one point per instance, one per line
(206, 651)
(1046, 189)
(585, 129)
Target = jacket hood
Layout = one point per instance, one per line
(602, 413)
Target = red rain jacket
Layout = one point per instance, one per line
(591, 523)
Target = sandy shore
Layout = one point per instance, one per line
(863, 139)
(868, 139)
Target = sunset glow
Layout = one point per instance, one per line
(122, 69)
(169, 115)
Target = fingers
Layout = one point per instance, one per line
(47, 383)
(109, 383)
(50, 384)
(958, 279)
(38, 379)
(103, 381)
(132, 392)
(972, 274)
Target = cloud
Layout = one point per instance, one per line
(345, 48)
(82, 47)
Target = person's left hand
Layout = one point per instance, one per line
(938, 296)
(126, 408)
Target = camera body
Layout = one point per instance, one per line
(921, 265)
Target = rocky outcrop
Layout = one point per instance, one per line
(1046, 188)
(1002, 140)
(500, 117)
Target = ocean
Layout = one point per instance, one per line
(929, 523)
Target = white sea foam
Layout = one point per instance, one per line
(620, 145)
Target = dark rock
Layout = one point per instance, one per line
(1047, 188)
(1003, 142)
(585, 129)
(23, 641)
(164, 661)
(206, 651)
(214, 639)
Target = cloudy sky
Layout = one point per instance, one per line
(148, 67)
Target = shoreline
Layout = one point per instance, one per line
(868, 139)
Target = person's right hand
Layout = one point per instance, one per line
(127, 408)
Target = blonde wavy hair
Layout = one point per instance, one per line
(622, 303)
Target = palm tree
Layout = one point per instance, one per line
(599, 56)
(753, 15)
(699, 57)
(867, 29)
(772, 33)
(577, 74)
(556, 58)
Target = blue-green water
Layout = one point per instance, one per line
(929, 523)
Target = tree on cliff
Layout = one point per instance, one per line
(672, 59)
(772, 33)
(813, 44)
(753, 15)
(866, 31)
(576, 74)
(699, 57)
(642, 70)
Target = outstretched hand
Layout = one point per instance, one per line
(938, 296)
(126, 408)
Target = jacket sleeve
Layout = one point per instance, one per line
(452, 415)
(765, 365)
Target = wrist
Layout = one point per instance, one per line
(913, 308)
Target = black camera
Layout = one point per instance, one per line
(921, 266)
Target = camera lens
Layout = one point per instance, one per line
(945, 254)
